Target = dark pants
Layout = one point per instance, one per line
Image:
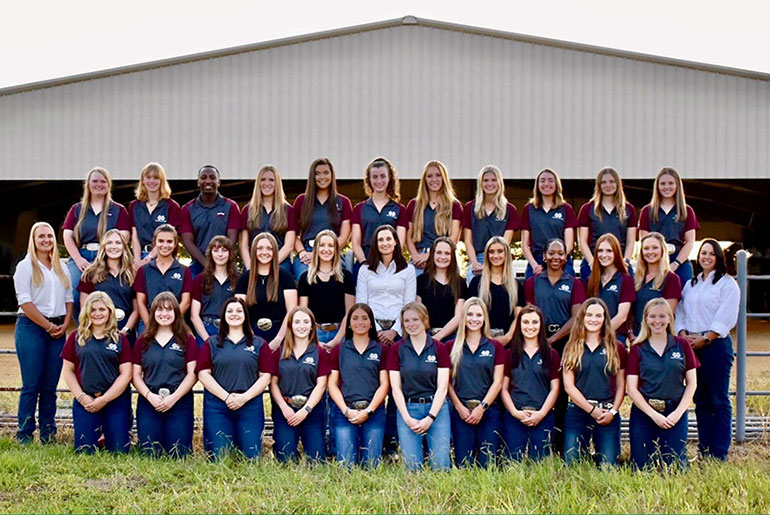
(310, 431)
(195, 268)
(684, 271)
(359, 443)
(40, 365)
(580, 428)
(516, 437)
(651, 443)
(476, 444)
(712, 399)
(390, 443)
(170, 432)
(560, 408)
(113, 421)
(224, 428)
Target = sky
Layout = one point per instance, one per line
(44, 40)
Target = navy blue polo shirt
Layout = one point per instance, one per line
(205, 222)
(120, 291)
(359, 372)
(670, 289)
(616, 291)
(438, 299)
(164, 366)
(366, 215)
(609, 223)
(166, 212)
(298, 376)
(212, 302)
(555, 300)
(264, 223)
(543, 227)
(151, 281)
(419, 372)
(591, 378)
(501, 316)
(488, 226)
(320, 220)
(476, 371)
(97, 363)
(530, 380)
(662, 377)
(117, 218)
(673, 231)
(429, 222)
(235, 366)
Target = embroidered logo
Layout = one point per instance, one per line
(539, 361)
(676, 355)
(177, 276)
(250, 348)
(391, 213)
(309, 360)
(564, 287)
(486, 353)
(373, 356)
(220, 213)
(613, 287)
(160, 218)
(174, 346)
(603, 352)
(430, 359)
(109, 213)
(558, 216)
(113, 347)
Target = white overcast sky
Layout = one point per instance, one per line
(42, 40)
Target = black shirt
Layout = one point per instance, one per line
(275, 311)
(501, 316)
(438, 299)
(327, 299)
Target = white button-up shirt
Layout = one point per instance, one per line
(50, 297)
(708, 306)
(387, 291)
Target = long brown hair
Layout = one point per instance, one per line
(179, 328)
(98, 270)
(595, 279)
(272, 278)
(310, 192)
(374, 253)
(517, 342)
(393, 191)
(445, 200)
(85, 203)
(558, 195)
(288, 342)
(573, 351)
(315, 260)
(453, 272)
(618, 199)
(224, 327)
(210, 267)
(279, 222)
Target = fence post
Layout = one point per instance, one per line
(740, 397)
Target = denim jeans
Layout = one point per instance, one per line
(651, 443)
(40, 365)
(713, 409)
(469, 272)
(287, 438)
(516, 437)
(438, 437)
(476, 444)
(224, 428)
(195, 268)
(210, 328)
(359, 443)
(684, 271)
(580, 428)
(113, 421)
(170, 432)
(75, 274)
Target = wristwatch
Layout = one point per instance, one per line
(484, 405)
(708, 340)
(307, 408)
(369, 412)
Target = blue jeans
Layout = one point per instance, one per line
(113, 421)
(210, 328)
(516, 437)
(165, 433)
(684, 271)
(75, 274)
(476, 444)
(568, 269)
(325, 336)
(40, 365)
(580, 428)
(359, 444)
(224, 428)
(651, 443)
(195, 268)
(469, 272)
(287, 438)
(713, 409)
(438, 438)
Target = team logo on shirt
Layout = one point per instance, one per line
(174, 346)
(160, 218)
(539, 361)
(391, 213)
(557, 216)
(486, 353)
(250, 348)
(430, 359)
(220, 213)
(676, 355)
(177, 276)
(373, 356)
(113, 347)
(603, 352)
(310, 360)
(564, 287)
(109, 213)
(613, 288)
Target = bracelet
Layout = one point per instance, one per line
(80, 396)
(432, 416)
(592, 410)
(228, 396)
(51, 325)
(677, 262)
(346, 412)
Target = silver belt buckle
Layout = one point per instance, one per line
(328, 327)
(264, 324)
(385, 324)
(435, 330)
(671, 248)
(496, 332)
(147, 248)
(360, 405)
(297, 401)
(93, 247)
(658, 405)
(119, 314)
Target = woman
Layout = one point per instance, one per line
(213, 287)
(498, 289)
(44, 293)
(83, 228)
(164, 360)
(418, 367)
(669, 215)
(97, 370)
(610, 281)
(234, 367)
(594, 377)
(490, 214)
(300, 371)
(707, 313)
(269, 291)
(477, 376)
(442, 290)
(358, 385)
(661, 380)
(434, 212)
(152, 208)
(208, 215)
(606, 213)
(324, 209)
(653, 278)
(260, 215)
(545, 217)
(530, 388)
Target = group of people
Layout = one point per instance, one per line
(379, 351)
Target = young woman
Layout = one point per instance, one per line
(86, 223)
(234, 367)
(327, 290)
(707, 313)
(498, 289)
(606, 213)
(490, 214)
(669, 215)
(477, 376)
(358, 385)
(418, 367)
(610, 281)
(44, 293)
(164, 360)
(545, 217)
(324, 209)
(530, 388)
(152, 208)
(434, 212)
(269, 291)
(594, 377)
(300, 371)
(442, 290)
(97, 370)
(661, 380)
(208, 215)
(213, 287)
(261, 215)
(653, 278)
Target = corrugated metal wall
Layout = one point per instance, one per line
(409, 92)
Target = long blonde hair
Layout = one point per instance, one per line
(509, 281)
(278, 219)
(618, 199)
(644, 332)
(501, 203)
(85, 203)
(641, 266)
(164, 191)
(558, 195)
(681, 203)
(85, 331)
(37, 272)
(456, 353)
(445, 201)
(315, 260)
(573, 351)
(98, 270)
(288, 342)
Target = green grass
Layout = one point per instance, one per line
(54, 479)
